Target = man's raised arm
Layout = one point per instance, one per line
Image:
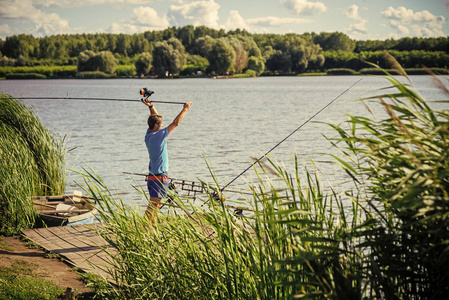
(179, 117)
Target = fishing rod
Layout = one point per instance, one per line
(144, 92)
(93, 99)
(263, 156)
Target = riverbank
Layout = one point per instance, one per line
(70, 72)
(27, 271)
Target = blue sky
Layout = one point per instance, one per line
(360, 19)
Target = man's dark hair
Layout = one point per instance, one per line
(153, 120)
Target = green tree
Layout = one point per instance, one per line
(123, 44)
(203, 45)
(103, 61)
(221, 57)
(139, 44)
(257, 64)
(168, 57)
(279, 62)
(143, 63)
(20, 45)
(186, 36)
(335, 41)
(241, 55)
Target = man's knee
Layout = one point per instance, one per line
(155, 202)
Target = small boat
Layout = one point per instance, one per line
(65, 210)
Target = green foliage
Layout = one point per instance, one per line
(125, 70)
(384, 239)
(20, 282)
(293, 53)
(203, 45)
(32, 163)
(250, 73)
(405, 44)
(416, 71)
(194, 64)
(143, 63)
(221, 57)
(103, 61)
(408, 59)
(168, 57)
(334, 41)
(402, 166)
(25, 76)
(279, 62)
(92, 75)
(47, 71)
(256, 64)
(341, 71)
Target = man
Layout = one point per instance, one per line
(155, 140)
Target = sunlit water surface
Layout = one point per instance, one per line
(231, 122)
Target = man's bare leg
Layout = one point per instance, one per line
(153, 208)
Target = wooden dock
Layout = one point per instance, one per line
(78, 245)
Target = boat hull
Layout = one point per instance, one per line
(66, 210)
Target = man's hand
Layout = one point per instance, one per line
(147, 102)
(187, 106)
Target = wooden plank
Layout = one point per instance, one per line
(79, 245)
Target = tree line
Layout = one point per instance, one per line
(189, 49)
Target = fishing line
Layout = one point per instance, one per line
(278, 144)
(92, 99)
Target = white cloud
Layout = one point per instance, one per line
(71, 3)
(421, 23)
(353, 12)
(304, 7)
(147, 16)
(235, 20)
(276, 21)
(23, 10)
(195, 13)
(125, 28)
(359, 27)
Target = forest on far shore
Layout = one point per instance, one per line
(203, 51)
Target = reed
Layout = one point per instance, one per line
(32, 163)
(386, 238)
(291, 246)
(401, 165)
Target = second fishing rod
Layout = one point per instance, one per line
(289, 135)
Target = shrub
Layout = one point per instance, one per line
(92, 75)
(251, 73)
(341, 71)
(25, 76)
(125, 70)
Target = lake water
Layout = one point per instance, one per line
(231, 122)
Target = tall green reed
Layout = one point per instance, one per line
(401, 164)
(32, 163)
(385, 238)
(290, 246)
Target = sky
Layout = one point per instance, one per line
(359, 19)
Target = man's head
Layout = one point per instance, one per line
(154, 121)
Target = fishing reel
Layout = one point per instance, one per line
(146, 92)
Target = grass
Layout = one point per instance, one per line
(386, 238)
(32, 163)
(21, 282)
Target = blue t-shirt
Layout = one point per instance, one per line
(157, 149)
